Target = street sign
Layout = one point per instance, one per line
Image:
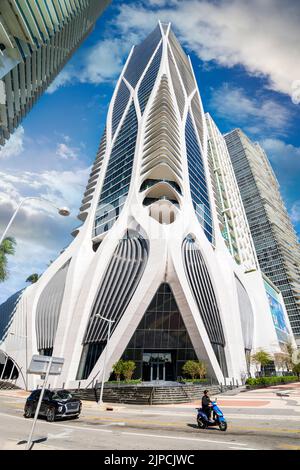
(39, 365)
(43, 365)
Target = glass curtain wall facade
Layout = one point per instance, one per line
(198, 182)
(37, 38)
(161, 338)
(274, 237)
(118, 174)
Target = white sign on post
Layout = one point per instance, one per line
(43, 365)
(39, 365)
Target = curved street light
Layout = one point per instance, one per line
(105, 355)
(63, 211)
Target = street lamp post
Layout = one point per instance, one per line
(64, 211)
(105, 356)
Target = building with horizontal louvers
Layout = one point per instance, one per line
(276, 242)
(37, 38)
(151, 254)
(231, 214)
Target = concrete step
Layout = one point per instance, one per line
(146, 395)
(7, 385)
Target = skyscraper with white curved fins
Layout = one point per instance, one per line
(164, 249)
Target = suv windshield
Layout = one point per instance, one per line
(61, 395)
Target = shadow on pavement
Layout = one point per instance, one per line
(35, 441)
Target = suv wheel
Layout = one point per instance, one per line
(50, 415)
(28, 412)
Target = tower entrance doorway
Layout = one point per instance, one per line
(161, 344)
(159, 366)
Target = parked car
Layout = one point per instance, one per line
(55, 404)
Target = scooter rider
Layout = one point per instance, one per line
(206, 404)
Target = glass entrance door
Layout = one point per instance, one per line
(158, 365)
(157, 371)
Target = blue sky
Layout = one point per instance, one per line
(245, 57)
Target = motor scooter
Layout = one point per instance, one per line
(218, 418)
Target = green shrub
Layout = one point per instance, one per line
(128, 369)
(268, 381)
(194, 369)
(118, 369)
(296, 369)
(251, 381)
(190, 368)
(124, 368)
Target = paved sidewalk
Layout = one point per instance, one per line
(264, 398)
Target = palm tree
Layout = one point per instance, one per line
(262, 358)
(7, 248)
(33, 278)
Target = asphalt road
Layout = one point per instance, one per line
(256, 420)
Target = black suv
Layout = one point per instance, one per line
(55, 404)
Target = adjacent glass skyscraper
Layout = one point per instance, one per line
(274, 237)
(164, 249)
(37, 38)
(231, 214)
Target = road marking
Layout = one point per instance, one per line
(289, 446)
(237, 416)
(245, 448)
(180, 423)
(230, 416)
(134, 421)
(114, 424)
(60, 425)
(131, 433)
(231, 427)
(12, 416)
(84, 427)
(278, 430)
(61, 435)
(264, 417)
(182, 438)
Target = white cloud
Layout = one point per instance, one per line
(295, 212)
(64, 78)
(255, 114)
(101, 63)
(15, 145)
(28, 259)
(60, 187)
(286, 157)
(66, 152)
(104, 61)
(262, 36)
(39, 231)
